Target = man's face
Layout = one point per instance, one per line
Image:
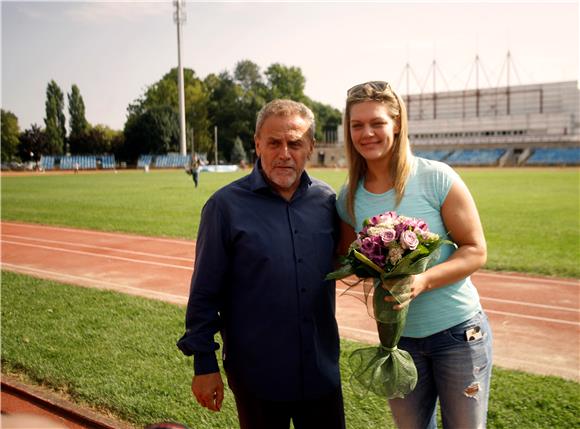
(284, 145)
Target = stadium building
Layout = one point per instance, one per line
(537, 124)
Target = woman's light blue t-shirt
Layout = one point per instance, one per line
(426, 190)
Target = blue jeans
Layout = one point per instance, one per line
(455, 371)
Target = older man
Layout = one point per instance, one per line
(265, 244)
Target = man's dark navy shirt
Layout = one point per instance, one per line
(259, 279)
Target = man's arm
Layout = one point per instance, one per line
(202, 320)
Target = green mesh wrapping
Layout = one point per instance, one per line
(385, 370)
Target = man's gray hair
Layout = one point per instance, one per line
(284, 107)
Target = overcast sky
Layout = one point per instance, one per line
(114, 50)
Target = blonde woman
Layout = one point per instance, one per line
(447, 332)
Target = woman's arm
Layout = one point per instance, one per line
(462, 221)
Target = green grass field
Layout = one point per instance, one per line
(530, 216)
(117, 354)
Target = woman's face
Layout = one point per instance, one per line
(372, 130)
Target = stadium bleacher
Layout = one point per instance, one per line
(47, 162)
(108, 162)
(545, 156)
(435, 155)
(172, 161)
(475, 157)
(84, 162)
(144, 160)
(555, 156)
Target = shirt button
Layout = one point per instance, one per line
(299, 259)
(303, 289)
(295, 231)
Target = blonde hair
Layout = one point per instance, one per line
(284, 107)
(401, 158)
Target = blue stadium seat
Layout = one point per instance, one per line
(475, 157)
(144, 160)
(435, 155)
(108, 162)
(66, 163)
(171, 161)
(47, 162)
(555, 156)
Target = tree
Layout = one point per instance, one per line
(79, 126)
(327, 119)
(248, 75)
(285, 82)
(76, 110)
(96, 140)
(32, 140)
(228, 101)
(55, 120)
(238, 152)
(225, 110)
(154, 132)
(254, 95)
(164, 94)
(10, 134)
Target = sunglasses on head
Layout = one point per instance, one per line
(376, 85)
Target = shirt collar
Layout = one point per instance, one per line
(259, 183)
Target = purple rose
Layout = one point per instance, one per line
(409, 240)
(378, 259)
(388, 235)
(400, 227)
(377, 240)
(367, 245)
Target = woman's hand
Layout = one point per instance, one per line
(406, 289)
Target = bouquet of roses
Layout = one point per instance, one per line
(387, 251)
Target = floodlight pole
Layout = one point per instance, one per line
(179, 18)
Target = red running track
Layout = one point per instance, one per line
(535, 320)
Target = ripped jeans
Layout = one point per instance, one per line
(455, 371)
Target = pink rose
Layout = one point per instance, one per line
(389, 216)
(409, 240)
(388, 235)
(421, 225)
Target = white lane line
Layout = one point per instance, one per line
(525, 316)
(103, 233)
(526, 279)
(96, 255)
(504, 313)
(104, 283)
(529, 304)
(484, 298)
(91, 246)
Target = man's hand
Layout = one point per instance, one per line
(208, 389)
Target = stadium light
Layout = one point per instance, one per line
(179, 17)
